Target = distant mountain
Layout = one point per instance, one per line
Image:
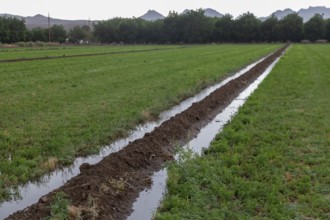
(306, 14)
(209, 12)
(152, 15)
(9, 15)
(281, 14)
(42, 21)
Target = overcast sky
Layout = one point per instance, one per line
(105, 9)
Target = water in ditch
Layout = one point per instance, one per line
(32, 191)
(149, 199)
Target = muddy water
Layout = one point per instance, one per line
(148, 200)
(32, 191)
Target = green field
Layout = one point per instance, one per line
(273, 160)
(60, 51)
(54, 110)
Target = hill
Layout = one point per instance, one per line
(42, 21)
(209, 12)
(152, 15)
(306, 14)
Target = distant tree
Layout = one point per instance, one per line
(12, 30)
(4, 30)
(327, 27)
(247, 28)
(197, 28)
(58, 33)
(153, 31)
(129, 31)
(39, 34)
(173, 28)
(315, 28)
(77, 34)
(108, 31)
(269, 29)
(224, 29)
(292, 28)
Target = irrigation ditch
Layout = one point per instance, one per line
(108, 189)
(150, 199)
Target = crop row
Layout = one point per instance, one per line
(52, 111)
(272, 160)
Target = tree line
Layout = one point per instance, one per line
(13, 30)
(191, 27)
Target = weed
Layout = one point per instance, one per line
(50, 164)
(119, 185)
(59, 207)
(74, 213)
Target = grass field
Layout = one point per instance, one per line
(272, 161)
(60, 51)
(51, 111)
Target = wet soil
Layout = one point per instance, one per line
(107, 190)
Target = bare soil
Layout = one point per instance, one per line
(107, 190)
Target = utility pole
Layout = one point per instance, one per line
(49, 34)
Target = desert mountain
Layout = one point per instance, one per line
(209, 12)
(306, 14)
(42, 21)
(280, 14)
(152, 15)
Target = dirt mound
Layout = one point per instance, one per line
(108, 189)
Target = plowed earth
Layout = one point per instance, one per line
(107, 190)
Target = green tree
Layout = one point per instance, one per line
(77, 33)
(58, 33)
(153, 31)
(197, 28)
(39, 34)
(4, 30)
(172, 28)
(224, 29)
(108, 31)
(315, 28)
(247, 28)
(269, 29)
(12, 30)
(327, 28)
(292, 28)
(129, 31)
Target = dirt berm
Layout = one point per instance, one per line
(108, 189)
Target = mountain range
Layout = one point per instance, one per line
(42, 21)
(152, 15)
(306, 14)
